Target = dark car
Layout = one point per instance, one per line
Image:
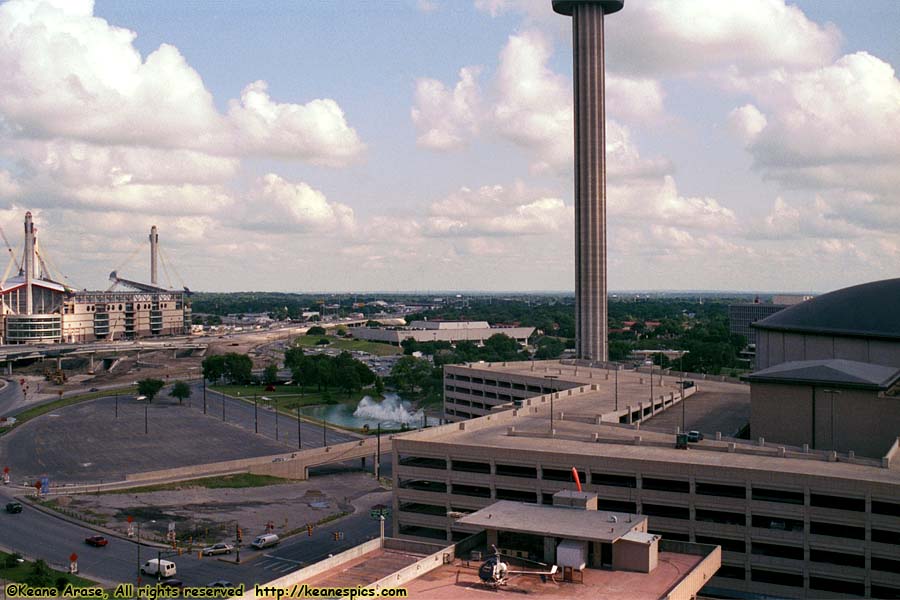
(13, 507)
(223, 583)
(171, 583)
(96, 540)
(694, 436)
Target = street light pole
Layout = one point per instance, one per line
(146, 425)
(275, 402)
(324, 431)
(117, 405)
(139, 554)
(378, 453)
(221, 395)
(255, 415)
(204, 394)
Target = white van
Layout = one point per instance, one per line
(166, 568)
(264, 541)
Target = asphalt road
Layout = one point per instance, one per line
(11, 398)
(39, 535)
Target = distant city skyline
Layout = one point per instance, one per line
(427, 144)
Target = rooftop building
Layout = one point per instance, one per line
(792, 521)
(859, 323)
(441, 331)
(513, 552)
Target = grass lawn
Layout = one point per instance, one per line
(309, 341)
(21, 571)
(241, 480)
(31, 413)
(290, 397)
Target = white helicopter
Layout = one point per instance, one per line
(494, 572)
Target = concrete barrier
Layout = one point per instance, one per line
(700, 575)
(318, 568)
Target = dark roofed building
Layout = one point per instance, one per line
(831, 404)
(859, 323)
(828, 370)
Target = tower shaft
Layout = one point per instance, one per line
(29, 264)
(590, 182)
(154, 254)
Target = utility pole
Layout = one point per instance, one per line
(117, 405)
(378, 453)
(139, 554)
(275, 402)
(204, 394)
(146, 425)
(223, 406)
(255, 415)
(299, 438)
(324, 431)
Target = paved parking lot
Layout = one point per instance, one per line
(709, 410)
(87, 443)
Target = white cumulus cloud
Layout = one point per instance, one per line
(445, 118)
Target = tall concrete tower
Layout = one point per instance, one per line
(154, 252)
(590, 172)
(29, 264)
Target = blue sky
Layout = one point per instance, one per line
(426, 144)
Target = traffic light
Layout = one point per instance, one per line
(309, 529)
(238, 534)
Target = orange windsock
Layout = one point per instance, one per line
(577, 479)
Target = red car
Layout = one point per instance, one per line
(96, 540)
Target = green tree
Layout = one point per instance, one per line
(548, 347)
(316, 330)
(293, 356)
(181, 390)
(214, 367)
(409, 346)
(411, 374)
(270, 374)
(660, 359)
(238, 368)
(150, 388)
(379, 386)
(40, 575)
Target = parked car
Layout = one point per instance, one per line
(218, 549)
(13, 507)
(694, 436)
(222, 583)
(96, 540)
(171, 583)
